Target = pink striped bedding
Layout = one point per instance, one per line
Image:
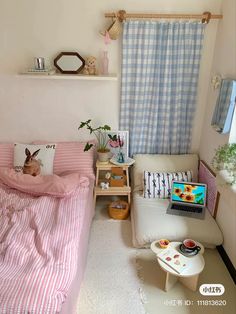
(39, 248)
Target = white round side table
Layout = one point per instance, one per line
(189, 277)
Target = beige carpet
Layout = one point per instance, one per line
(161, 302)
(111, 284)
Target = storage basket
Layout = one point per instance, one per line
(119, 210)
(115, 29)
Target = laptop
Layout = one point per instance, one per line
(188, 199)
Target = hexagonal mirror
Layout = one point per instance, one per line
(69, 62)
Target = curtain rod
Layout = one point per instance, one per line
(205, 16)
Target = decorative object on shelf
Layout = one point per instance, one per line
(39, 67)
(117, 177)
(225, 159)
(90, 66)
(39, 63)
(120, 156)
(102, 139)
(104, 185)
(224, 109)
(119, 210)
(105, 63)
(118, 144)
(69, 62)
(107, 39)
(107, 175)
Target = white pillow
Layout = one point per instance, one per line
(34, 159)
(158, 184)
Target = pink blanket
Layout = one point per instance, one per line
(39, 239)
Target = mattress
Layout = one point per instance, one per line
(150, 222)
(69, 305)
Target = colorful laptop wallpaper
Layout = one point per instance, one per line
(189, 193)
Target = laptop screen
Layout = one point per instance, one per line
(189, 193)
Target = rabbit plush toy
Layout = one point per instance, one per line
(31, 165)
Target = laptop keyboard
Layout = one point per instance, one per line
(190, 209)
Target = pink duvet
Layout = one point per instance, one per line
(39, 238)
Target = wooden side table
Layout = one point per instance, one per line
(124, 190)
(189, 277)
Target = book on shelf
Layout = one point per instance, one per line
(174, 259)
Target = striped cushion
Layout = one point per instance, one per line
(70, 156)
(6, 155)
(158, 185)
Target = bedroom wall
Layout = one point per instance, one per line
(224, 63)
(52, 109)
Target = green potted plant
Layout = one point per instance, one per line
(102, 139)
(225, 159)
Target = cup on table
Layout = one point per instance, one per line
(39, 63)
(190, 245)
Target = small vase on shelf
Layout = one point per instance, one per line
(120, 156)
(105, 63)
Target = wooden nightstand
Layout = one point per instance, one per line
(101, 169)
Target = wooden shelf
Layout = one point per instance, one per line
(121, 190)
(58, 76)
(107, 166)
(124, 190)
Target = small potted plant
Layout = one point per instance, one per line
(225, 159)
(102, 139)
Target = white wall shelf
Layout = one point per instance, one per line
(57, 76)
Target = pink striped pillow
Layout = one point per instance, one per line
(70, 156)
(6, 155)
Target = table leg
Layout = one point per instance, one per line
(170, 281)
(190, 282)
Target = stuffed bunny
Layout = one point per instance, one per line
(31, 164)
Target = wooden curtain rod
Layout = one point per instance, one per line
(122, 15)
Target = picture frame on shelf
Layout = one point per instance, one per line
(118, 140)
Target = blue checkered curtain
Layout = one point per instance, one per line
(160, 66)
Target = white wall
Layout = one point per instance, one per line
(225, 64)
(47, 109)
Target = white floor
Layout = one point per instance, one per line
(179, 299)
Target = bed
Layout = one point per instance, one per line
(44, 230)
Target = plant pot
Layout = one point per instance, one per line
(104, 156)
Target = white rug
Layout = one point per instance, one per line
(111, 284)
